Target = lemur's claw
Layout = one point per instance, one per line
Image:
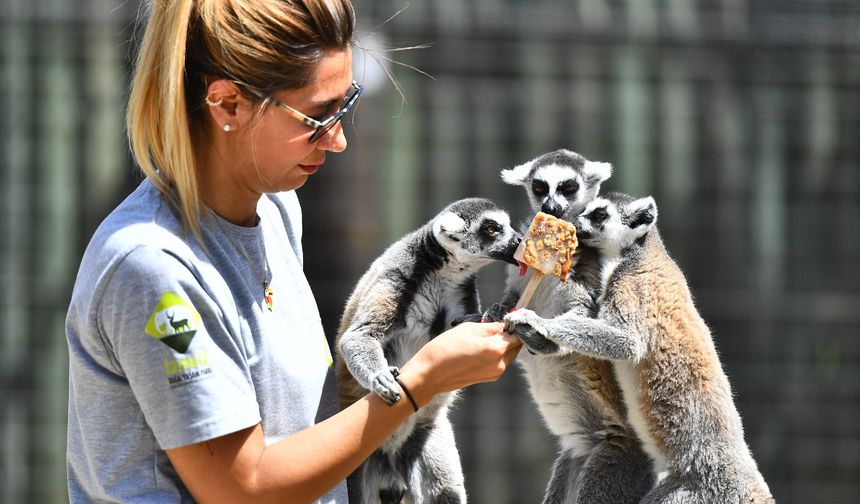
(384, 386)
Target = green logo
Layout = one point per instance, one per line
(174, 322)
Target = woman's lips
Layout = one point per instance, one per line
(310, 169)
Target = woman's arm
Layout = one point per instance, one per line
(239, 467)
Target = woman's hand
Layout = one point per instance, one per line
(464, 355)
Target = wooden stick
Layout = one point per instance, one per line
(530, 289)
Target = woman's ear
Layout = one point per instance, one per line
(228, 108)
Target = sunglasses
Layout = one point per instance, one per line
(320, 126)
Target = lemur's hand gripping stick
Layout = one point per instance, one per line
(548, 248)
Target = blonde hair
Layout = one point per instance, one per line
(267, 45)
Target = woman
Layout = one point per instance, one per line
(198, 365)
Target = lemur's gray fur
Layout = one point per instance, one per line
(410, 294)
(678, 398)
(600, 459)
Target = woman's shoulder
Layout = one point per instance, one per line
(143, 220)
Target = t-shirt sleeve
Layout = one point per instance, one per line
(183, 361)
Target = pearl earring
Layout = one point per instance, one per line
(215, 103)
(227, 128)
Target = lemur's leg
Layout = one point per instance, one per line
(574, 333)
(563, 478)
(614, 473)
(362, 352)
(376, 481)
(435, 473)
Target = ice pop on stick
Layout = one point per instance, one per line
(548, 249)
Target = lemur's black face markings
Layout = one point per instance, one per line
(598, 215)
(568, 187)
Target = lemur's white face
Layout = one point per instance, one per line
(611, 226)
(477, 240)
(559, 183)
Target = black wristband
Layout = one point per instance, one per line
(395, 373)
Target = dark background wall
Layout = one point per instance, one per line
(740, 117)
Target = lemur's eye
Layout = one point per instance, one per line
(491, 228)
(539, 187)
(568, 187)
(598, 215)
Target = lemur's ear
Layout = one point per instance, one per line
(518, 174)
(596, 172)
(641, 215)
(449, 225)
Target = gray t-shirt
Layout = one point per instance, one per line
(171, 343)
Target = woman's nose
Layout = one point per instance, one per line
(334, 140)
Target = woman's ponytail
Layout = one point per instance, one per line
(158, 123)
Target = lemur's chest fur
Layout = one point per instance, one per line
(436, 302)
(576, 395)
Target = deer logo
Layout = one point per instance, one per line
(175, 310)
(177, 325)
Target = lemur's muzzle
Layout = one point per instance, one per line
(552, 208)
(506, 252)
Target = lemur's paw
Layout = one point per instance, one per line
(496, 312)
(472, 317)
(384, 386)
(523, 316)
(526, 324)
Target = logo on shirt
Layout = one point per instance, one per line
(174, 322)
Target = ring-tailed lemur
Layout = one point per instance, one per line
(678, 398)
(600, 459)
(410, 294)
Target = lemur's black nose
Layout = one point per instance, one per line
(552, 208)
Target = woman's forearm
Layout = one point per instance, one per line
(239, 467)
